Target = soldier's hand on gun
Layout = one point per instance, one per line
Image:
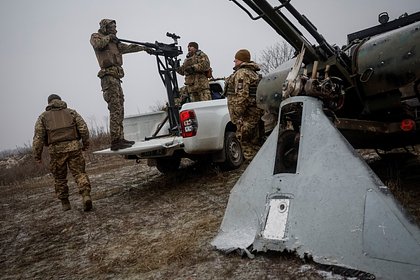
(150, 51)
(189, 70)
(113, 38)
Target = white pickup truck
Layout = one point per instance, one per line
(206, 134)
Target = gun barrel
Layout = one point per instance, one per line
(304, 21)
(276, 19)
(149, 45)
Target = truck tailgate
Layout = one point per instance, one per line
(156, 146)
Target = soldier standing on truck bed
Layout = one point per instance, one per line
(66, 134)
(109, 51)
(196, 69)
(240, 89)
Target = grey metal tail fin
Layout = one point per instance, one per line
(330, 205)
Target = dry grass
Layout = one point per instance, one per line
(19, 165)
(143, 226)
(400, 172)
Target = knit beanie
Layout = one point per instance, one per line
(193, 44)
(52, 97)
(243, 55)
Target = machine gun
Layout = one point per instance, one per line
(167, 62)
(307, 190)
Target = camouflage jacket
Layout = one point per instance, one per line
(194, 69)
(105, 48)
(240, 86)
(40, 135)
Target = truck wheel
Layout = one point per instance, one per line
(168, 165)
(233, 152)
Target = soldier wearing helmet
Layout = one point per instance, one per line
(66, 134)
(109, 51)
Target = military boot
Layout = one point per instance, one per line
(87, 201)
(65, 203)
(119, 144)
(128, 141)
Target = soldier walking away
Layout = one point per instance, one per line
(240, 89)
(196, 69)
(66, 134)
(109, 51)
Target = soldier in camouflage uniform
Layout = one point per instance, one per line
(66, 134)
(109, 53)
(240, 89)
(195, 68)
(183, 97)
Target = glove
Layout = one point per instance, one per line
(150, 51)
(189, 70)
(113, 38)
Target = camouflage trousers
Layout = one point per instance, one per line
(114, 96)
(75, 162)
(200, 95)
(249, 129)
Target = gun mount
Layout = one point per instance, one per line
(375, 78)
(167, 62)
(307, 190)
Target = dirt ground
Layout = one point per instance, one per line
(144, 225)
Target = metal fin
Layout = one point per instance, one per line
(335, 208)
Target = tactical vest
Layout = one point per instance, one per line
(230, 84)
(60, 126)
(109, 56)
(254, 84)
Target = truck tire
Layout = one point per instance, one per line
(168, 164)
(233, 152)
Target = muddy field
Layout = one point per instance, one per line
(144, 225)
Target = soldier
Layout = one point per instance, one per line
(240, 89)
(109, 53)
(183, 98)
(195, 68)
(61, 129)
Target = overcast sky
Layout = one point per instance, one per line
(45, 48)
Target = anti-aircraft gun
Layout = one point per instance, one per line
(308, 190)
(372, 85)
(167, 62)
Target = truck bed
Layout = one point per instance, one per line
(158, 146)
